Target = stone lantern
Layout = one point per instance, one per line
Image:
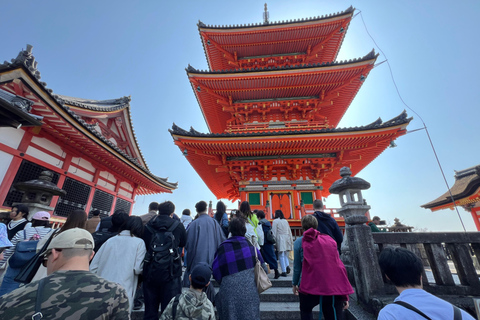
(38, 193)
(361, 250)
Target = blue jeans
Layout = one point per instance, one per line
(9, 284)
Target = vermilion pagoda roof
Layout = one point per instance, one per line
(316, 39)
(62, 121)
(465, 191)
(333, 85)
(218, 157)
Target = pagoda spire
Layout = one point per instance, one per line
(266, 15)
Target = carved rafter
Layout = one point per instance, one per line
(313, 52)
(266, 169)
(288, 110)
(231, 58)
(270, 61)
(307, 109)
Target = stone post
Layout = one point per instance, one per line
(368, 278)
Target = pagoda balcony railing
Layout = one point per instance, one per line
(278, 126)
(451, 259)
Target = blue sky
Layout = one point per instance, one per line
(110, 49)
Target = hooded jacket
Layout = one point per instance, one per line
(163, 222)
(191, 305)
(328, 225)
(323, 273)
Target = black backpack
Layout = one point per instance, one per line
(159, 260)
(100, 237)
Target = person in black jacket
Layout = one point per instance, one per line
(156, 294)
(326, 224)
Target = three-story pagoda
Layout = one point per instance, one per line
(272, 100)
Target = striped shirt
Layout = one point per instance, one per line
(20, 236)
(234, 255)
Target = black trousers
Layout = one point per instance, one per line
(156, 295)
(330, 306)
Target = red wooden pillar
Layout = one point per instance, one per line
(265, 199)
(243, 196)
(318, 191)
(296, 204)
(114, 203)
(88, 206)
(61, 179)
(14, 165)
(476, 217)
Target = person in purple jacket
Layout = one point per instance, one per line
(233, 268)
(319, 276)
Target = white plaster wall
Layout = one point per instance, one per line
(114, 128)
(34, 152)
(105, 184)
(80, 173)
(125, 193)
(11, 137)
(80, 162)
(126, 185)
(108, 176)
(49, 145)
(5, 160)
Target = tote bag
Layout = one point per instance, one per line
(261, 278)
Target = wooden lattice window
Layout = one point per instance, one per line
(76, 197)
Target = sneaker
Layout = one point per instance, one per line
(288, 270)
(284, 274)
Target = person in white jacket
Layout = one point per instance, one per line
(284, 240)
(120, 259)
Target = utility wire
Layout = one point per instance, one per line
(424, 126)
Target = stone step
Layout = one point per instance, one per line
(278, 294)
(281, 282)
(268, 311)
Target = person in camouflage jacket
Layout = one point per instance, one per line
(192, 304)
(70, 292)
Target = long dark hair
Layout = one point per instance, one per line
(279, 214)
(135, 225)
(221, 208)
(76, 219)
(245, 209)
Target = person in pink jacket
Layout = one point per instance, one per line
(319, 276)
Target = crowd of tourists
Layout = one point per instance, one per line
(106, 268)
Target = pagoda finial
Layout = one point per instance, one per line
(265, 15)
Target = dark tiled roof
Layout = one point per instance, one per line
(466, 183)
(261, 24)
(378, 124)
(96, 105)
(369, 56)
(26, 60)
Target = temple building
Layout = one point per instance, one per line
(272, 100)
(89, 145)
(465, 192)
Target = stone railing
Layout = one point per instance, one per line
(434, 247)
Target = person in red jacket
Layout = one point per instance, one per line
(319, 276)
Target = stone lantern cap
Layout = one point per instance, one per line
(348, 182)
(43, 183)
